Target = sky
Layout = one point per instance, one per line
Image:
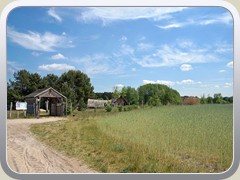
(189, 49)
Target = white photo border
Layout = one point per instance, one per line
(122, 3)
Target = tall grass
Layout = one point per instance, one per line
(164, 139)
(201, 134)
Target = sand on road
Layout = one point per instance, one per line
(25, 154)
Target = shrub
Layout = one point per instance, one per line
(82, 105)
(120, 108)
(108, 108)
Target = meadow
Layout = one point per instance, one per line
(166, 139)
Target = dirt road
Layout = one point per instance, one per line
(27, 155)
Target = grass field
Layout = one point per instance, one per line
(165, 139)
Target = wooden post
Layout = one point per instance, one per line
(25, 113)
(70, 107)
(10, 115)
(37, 106)
(46, 102)
(34, 109)
(66, 106)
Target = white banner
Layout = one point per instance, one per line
(21, 106)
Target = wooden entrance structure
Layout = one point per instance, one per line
(57, 102)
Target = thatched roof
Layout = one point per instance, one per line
(96, 103)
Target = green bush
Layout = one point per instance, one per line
(82, 105)
(108, 108)
(120, 108)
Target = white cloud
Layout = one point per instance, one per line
(224, 18)
(111, 14)
(168, 55)
(217, 86)
(228, 84)
(100, 64)
(144, 46)
(124, 38)
(168, 83)
(186, 67)
(56, 67)
(134, 69)
(230, 64)
(126, 50)
(37, 41)
(171, 83)
(58, 56)
(13, 66)
(119, 86)
(35, 54)
(170, 26)
(188, 81)
(222, 71)
(223, 47)
(185, 44)
(51, 12)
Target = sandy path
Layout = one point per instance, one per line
(27, 155)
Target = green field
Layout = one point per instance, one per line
(165, 139)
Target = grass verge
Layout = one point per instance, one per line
(177, 139)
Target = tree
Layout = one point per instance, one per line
(217, 98)
(76, 86)
(209, 100)
(104, 96)
(203, 99)
(159, 93)
(50, 80)
(131, 96)
(228, 99)
(116, 92)
(23, 84)
(171, 97)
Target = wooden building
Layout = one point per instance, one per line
(96, 103)
(57, 102)
(120, 101)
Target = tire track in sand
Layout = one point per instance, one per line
(25, 154)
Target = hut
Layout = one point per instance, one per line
(120, 101)
(96, 103)
(190, 100)
(55, 101)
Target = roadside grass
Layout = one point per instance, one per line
(168, 139)
(17, 115)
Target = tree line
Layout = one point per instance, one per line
(76, 86)
(216, 99)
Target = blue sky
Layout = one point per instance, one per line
(188, 49)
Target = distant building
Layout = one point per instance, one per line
(190, 100)
(96, 103)
(120, 101)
